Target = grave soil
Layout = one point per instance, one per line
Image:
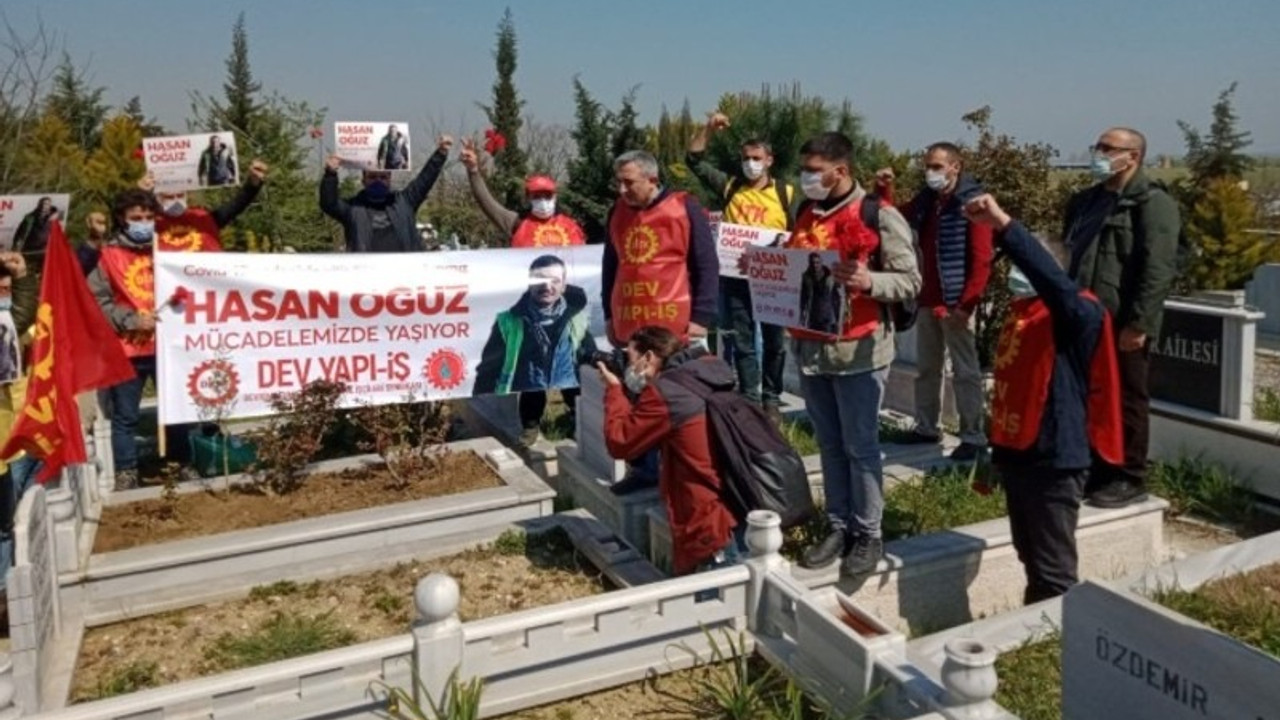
(189, 515)
(510, 575)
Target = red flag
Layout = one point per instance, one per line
(75, 350)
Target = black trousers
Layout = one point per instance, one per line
(759, 378)
(534, 403)
(1135, 408)
(1044, 507)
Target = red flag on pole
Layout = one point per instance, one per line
(75, 350)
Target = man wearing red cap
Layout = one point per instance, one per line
(540, 226)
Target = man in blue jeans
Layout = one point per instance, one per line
(843, 377)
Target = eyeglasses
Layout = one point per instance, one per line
(1106, 149)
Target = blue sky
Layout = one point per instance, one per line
(1053, 71)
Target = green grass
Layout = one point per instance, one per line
(942, 499)
(284, 635)
(511, 542)
(284, 588)
(1244, 606)
(1195, 486)
(799, 434)
(137, 675)
(939, 500)
(1266, 405)
(1031, 680)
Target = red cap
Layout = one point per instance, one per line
(539, 183)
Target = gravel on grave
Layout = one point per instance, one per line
(372, 606)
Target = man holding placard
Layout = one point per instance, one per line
(180, 227)
(843, 378)
(755, 199)
(378, 219)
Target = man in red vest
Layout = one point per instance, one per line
(660, 268)
(182, 227)
(843, 376)
(541, 226)
(1056, 405)
(123, 283)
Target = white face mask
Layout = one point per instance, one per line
(936, 180)
(543, 208)
(811, 184)
(176, 207)
(1102, 167)
(1019, 285)
(634, 380)
(753, 169)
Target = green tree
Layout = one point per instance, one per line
(589, 192)
(51, 160)
(1021, 176)
(510, 164)
(115, 165)
(149, 126)
(77, 104)
(240, 106)
(273, 129)
(1219, 223)
(1221, 155)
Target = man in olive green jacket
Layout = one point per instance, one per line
(1123, 235)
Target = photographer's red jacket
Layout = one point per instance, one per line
(670, 417)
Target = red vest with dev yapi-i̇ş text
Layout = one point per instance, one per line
(1025, 356)
(652, 285)
(192, 231)
(131, 274)
(558, 230)
(844, 231)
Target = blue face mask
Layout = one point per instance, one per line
(1100, 168)
(1019, 285)
(377, 190)
(6, 304)
(140, 233)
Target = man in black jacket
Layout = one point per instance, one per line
(378, 219)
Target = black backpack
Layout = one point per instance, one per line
(759, 470)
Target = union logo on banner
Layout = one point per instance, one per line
(213, 384)
(445, 369)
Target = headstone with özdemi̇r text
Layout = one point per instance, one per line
(1124, 656)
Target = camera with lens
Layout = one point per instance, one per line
(615, 360)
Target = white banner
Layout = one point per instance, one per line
(188, 162)
(22, 212)
(733, 240)
(796, 288)
(373, 145)
(239, 328)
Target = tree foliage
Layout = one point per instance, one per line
(589, 192)
(1219, 223)
(1221, 154)
(77, 104)
(510, 164)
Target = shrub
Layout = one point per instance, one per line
(408, 437)
(291, 439)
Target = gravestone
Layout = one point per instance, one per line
(1204, 356)
(1263, 292)
(1186, 360)
(1125, 656)
(32, 584)
(589, 432)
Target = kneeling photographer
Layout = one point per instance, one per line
(661, 372)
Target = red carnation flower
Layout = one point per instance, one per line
(137, 154)
(494, 141)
